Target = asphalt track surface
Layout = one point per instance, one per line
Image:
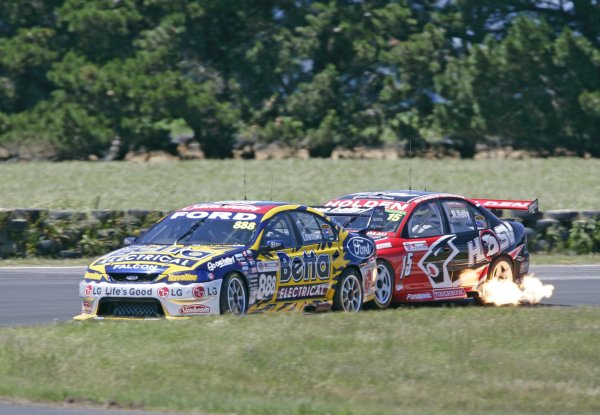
(43, 295)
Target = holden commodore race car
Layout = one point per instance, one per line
(436, 246)
(233, 257)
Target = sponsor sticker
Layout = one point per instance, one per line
(223, 262)
(449, 293)
(388, 204)
(194, 309)
(424, 296)
(136, 267)
(88, 290)
(182, 277)
(266, 266)
(307, 267)
(198, 292)
(302, 291)
(162, 292)
(159, 258)
(124, 292)
(214, 215)
(415, 246)
(361, 247)
(384, 245)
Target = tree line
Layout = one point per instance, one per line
(313, 74)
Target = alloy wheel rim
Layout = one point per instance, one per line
(351, 294)
(383, 285)
(236, 298)
(502, 271)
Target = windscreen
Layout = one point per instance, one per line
(391, 220)
(203, 228)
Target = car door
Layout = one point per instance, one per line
(318, 251)
(477, 243)
(461, 223)
(429, 250)
(298, 268)
(277, 249)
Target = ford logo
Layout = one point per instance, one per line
(131, 278)
(361, 247)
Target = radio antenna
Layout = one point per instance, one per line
(271, 187)
(245, 197)
(410, 163)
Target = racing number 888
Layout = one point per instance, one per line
(266, 286)
(240, 224)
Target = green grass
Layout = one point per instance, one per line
(558, 183)
(435, 360)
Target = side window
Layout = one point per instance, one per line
(310, 228)
(481, 221)
(425, 221)
(279, 228)
(329, 234)
(459, 216)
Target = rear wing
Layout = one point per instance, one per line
(531, 206)
(373, 218)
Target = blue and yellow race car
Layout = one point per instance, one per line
(233, 257)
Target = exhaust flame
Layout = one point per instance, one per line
(504, 292)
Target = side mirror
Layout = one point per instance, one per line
(130, 240)
(271, 245)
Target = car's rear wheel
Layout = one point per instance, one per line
(384, 284)
(234, 296)
(501, 269)
(349, 293)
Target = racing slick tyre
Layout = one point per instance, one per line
(500, 269)
(234, 295)
(349, 293)
(384, 285)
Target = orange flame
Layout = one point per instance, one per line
(504, 292)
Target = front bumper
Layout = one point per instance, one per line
(139, 300)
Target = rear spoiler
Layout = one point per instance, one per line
(375, 215)
(531, 206)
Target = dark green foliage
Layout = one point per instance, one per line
(584, 237)
(76, 74)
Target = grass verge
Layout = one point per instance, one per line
(558, 183)
(458, 360)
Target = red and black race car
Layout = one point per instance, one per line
(436, 246)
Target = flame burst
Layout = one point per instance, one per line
(504, 292)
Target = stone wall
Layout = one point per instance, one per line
(72, 234)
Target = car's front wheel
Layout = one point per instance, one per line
(349, 293)
(234, 296)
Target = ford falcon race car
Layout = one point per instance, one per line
(436, 246)
(233, 257)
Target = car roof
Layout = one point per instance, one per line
(396, 195)
(255, 206)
